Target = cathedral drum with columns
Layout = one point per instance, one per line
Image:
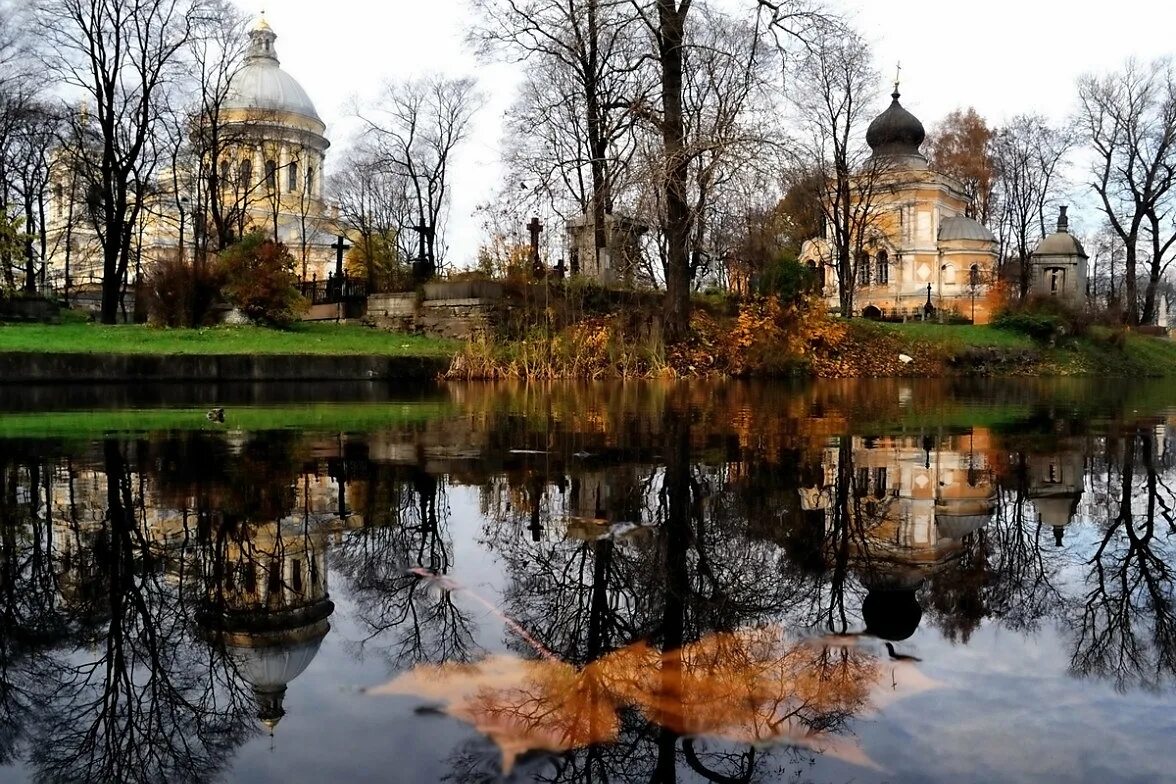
(921, 246)
(275, 162)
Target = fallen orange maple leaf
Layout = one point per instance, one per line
(751, 686)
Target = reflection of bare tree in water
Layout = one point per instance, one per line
(32, 620)
(142, 699)
(696, 570)
(407, 619)
(1126, 625)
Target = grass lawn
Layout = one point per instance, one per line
(334, 339)
(328, 418)
(961, 336)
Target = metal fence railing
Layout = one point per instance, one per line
(334, 290)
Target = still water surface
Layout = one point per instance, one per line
(867, 582)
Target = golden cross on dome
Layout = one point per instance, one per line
(897, 77)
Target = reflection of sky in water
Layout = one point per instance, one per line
(1009, 708)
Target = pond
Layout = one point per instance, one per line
(886, 581)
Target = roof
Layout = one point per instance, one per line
(1062, 243)
(262, 84)
(961, 228)
(896, 132)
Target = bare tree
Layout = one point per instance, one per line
(1028, 155)
(218, 50)
(373, 207)
(584, 76)
(415, 130)
(834, 97)
(122, 57)
(1129, 119)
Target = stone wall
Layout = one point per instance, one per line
(460, 311)
(99, 368)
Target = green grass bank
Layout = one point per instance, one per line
(302, 339)
(325, 417)
(939, 350)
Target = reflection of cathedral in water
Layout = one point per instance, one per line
(261, 585)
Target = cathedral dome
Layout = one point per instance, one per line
(261, 84)
(896, 132)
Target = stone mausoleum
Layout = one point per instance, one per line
(1059, 265)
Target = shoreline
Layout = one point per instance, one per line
(102, 368)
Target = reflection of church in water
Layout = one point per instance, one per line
(261, 585)
(909, 506)
(906, 506)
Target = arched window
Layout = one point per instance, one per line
(309, 180)
(59, 199)
(245, 174)
(292, 177)
(883, 263)
(863, 268)
(224, 173)
(974, 276)
(271, 175)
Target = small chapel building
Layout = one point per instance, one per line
(922, 252)
(1059, 265)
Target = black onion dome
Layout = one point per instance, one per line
(891, 615)
(896, 131)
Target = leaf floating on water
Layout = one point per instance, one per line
(753, 686)
(520, 705)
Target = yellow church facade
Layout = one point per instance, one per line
(921, 254)
(270, 180)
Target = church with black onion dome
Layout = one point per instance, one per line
(921, 247)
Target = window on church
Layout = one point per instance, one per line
(1054, 281)
(309, 180)
(883, 275)
(881, 484)
(245, 174)
(274, 583)
(862, 484)
(863, 265)
(974, 276)
(59, 199)
(224, 174)
(271, 175)
(296, 576)
(292, 178)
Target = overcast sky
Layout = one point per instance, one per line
(1004, 57)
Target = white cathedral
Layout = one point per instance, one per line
(271, 172)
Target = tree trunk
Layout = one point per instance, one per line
(1131, 287)
(677, 219)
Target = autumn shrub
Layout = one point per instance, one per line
(1045, 319)
(259, 280)
(181, 294)
(787, 279)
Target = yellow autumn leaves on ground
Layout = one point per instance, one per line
(751, 686)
